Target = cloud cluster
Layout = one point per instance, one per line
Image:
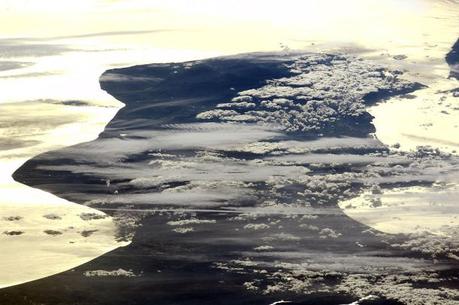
(324, 94)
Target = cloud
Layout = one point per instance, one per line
(9, 143)
(107, 34)
(305, 101)
(12, 65)
(46, 46)
(114, 273)
(10, 48)
(194, 199)
(337, 159)
(31, 74)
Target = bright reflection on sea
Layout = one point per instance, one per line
(54, 103)
(70, 44)
(41, 234)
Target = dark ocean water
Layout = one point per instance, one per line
(226, 173)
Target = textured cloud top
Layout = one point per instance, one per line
(326, 94)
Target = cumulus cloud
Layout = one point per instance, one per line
(110, 273)
(323, 95)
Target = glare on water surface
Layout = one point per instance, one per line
(65, 46)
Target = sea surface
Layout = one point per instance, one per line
(51, 99)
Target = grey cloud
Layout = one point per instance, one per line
(12, 65)
(337, 159)
(8, 144)
(190, 199)
(186, 136)
(10, 48)
(112, 33)
(44, 46)
(32, 74)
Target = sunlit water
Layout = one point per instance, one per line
(41, 234)
(54, 103)
(63, 63)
